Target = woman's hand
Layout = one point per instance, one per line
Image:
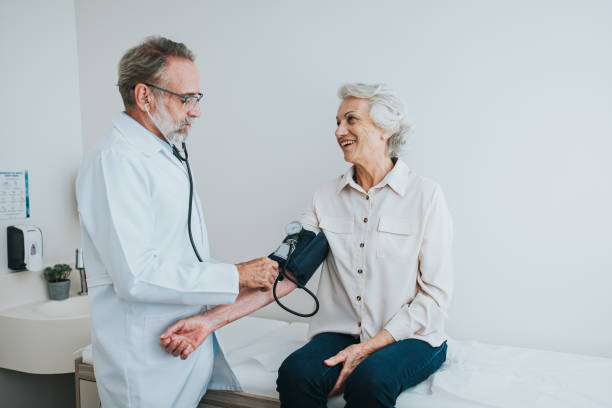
(353, 355)
(186, 335)
(350, 358)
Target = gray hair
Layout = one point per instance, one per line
(386, 110)
(146, 62)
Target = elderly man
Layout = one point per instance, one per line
(145, 242)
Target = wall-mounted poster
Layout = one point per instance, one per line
(14, 197)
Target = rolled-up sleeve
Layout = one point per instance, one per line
(426, 313)
(115, 209)
(309, 218)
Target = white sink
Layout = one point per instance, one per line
(71, 308)
(41, 337)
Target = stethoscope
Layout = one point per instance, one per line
(185, 160)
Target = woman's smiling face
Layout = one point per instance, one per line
(357, 135)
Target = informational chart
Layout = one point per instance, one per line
(14, 197)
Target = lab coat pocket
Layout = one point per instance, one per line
(396, 238)
(155, 325)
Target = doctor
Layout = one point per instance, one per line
(143, 271)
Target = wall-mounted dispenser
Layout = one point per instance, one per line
(24, 247)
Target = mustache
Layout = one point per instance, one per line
(184, 122)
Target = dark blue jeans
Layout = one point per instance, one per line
(305, 381)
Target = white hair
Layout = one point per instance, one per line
(386, 110)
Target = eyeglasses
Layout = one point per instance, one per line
(189, 101)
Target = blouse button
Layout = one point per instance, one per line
(367, 197)
(361, 245)
(365, 220)
(359, 324)
(360, 271)
(359, 298)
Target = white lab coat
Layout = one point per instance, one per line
(143, 274)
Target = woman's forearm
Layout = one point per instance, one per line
(382, 339)
(248, 301)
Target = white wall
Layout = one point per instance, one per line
(41, 121)
(511, 105)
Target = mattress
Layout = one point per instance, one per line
(474, 374)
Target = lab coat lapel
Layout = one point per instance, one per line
(142, 139)
(174, 160)
(136, 134)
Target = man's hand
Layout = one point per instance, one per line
(259, 273)
(186, 335)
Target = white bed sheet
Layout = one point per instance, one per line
(474, 374)
(246, 331)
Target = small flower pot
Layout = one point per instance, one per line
(59, 290)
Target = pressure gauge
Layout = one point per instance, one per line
(293, 228)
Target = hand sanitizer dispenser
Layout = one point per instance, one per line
(24, 247)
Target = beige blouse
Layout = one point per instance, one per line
(390, 263)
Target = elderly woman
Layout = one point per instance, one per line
(385, 286)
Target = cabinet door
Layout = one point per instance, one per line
(89, 394)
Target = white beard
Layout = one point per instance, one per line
(169, 129)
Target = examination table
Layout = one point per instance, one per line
(474, 374)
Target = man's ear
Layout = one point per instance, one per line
(143, 97)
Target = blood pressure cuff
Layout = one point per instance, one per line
(310, 251)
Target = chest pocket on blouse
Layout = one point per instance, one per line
(338, 232)
(396, 238)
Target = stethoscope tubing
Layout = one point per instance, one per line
(186, 161)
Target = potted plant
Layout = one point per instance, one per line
(57, 281)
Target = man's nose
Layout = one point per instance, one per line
(195, 111)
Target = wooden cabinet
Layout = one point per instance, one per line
(87, 395)
(85, 385)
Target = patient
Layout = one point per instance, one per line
(385, 286)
